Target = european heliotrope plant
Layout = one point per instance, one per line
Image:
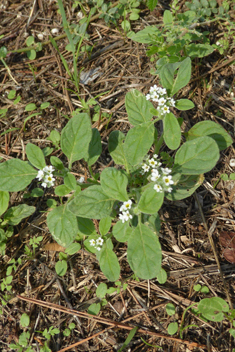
(125, 198)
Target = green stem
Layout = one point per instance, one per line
(158, 144)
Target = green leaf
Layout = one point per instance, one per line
(14, 215)
(108, 262)
(213, 308)
(76, 136)
(70, 181)
(101, 290)
(138, 142)
(57, 163)
(91, 203)
(94, 309)
(73, 248)
(62, 225)
(86, 227)
(232, 332)
(213, 130)
(15, 175)
(95, 148)
(4, 201)
(30, 107)
(172, 328)
(105, 225)
(154, 223)
(197, 287)
(198, 50)
(30, 40)
(62, 190)
(137, 107)
(184, 104)
(144, 252)
(116, 147)
(114, 183)
(44, 105)
(184, 186)
(31, 54)
(24, 320)
(54, 137)
(167, 17)
(166, 74)
(183, 76)
(122, 231)
(197, 156)
(129, 338)
(152, 4)
(172, 132)
(145, 36)
(170, 309)
(35, 156)
(205, 289)
(37, 192)
(61, 267)
(150, 201)
(3, 52)
(162, 276)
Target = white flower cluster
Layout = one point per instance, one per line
(46, 174)
(159, 95)
(125, 214)
(97, 243)
(158, 174)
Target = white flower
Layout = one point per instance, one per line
(162, 91)
(145, 167)
(99, 241)
(165, 109)
(49, 169)
(49, 178)
(92, 242)
(153, 162)
(172, 102)
(128, 215)
(44, 184)
(155, 175)
(123, 217)
(40, 175)
(161, 101)
(98, 248)
(81, 179)
(157, 188)
(168, 180)
(169, 189)
(126, 205)
(148, 96)
(155, 156)
(165, 170)
(232, 162)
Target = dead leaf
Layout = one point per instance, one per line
(53, 247)
(227, 241)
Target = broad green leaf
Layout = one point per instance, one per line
(35, 156)
(116, 147)
(4, 201)
(138, 142)
(172, 328)
(95, 148)
(86, 227)
(56, 162)
(166, 74)
(14, 215)
(213, 130)
(198, 50)
(109, 263)
(76, 136)
(114, 183)
(15, 175)
(144, 252)
(185, 185)
(104, 225)
(37, 192)
(30, 107)
(152, 4)
(172, 132)
(62, 225)
(154, 223)
(162, 276)
(137, 107)
(92, 203)
(24, 320)
(70, 181)
(170, 309)
(145, 36)
(150, 201)
(101, 290)
(184, 104)
(94, 309)
(73, 248)
(122, 231)
(61, 267)
(62, 190)
(197, 156)
(183, 76)
(167, 17)
(213, 308)
(3, 52)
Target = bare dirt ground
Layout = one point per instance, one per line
(188, 256)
